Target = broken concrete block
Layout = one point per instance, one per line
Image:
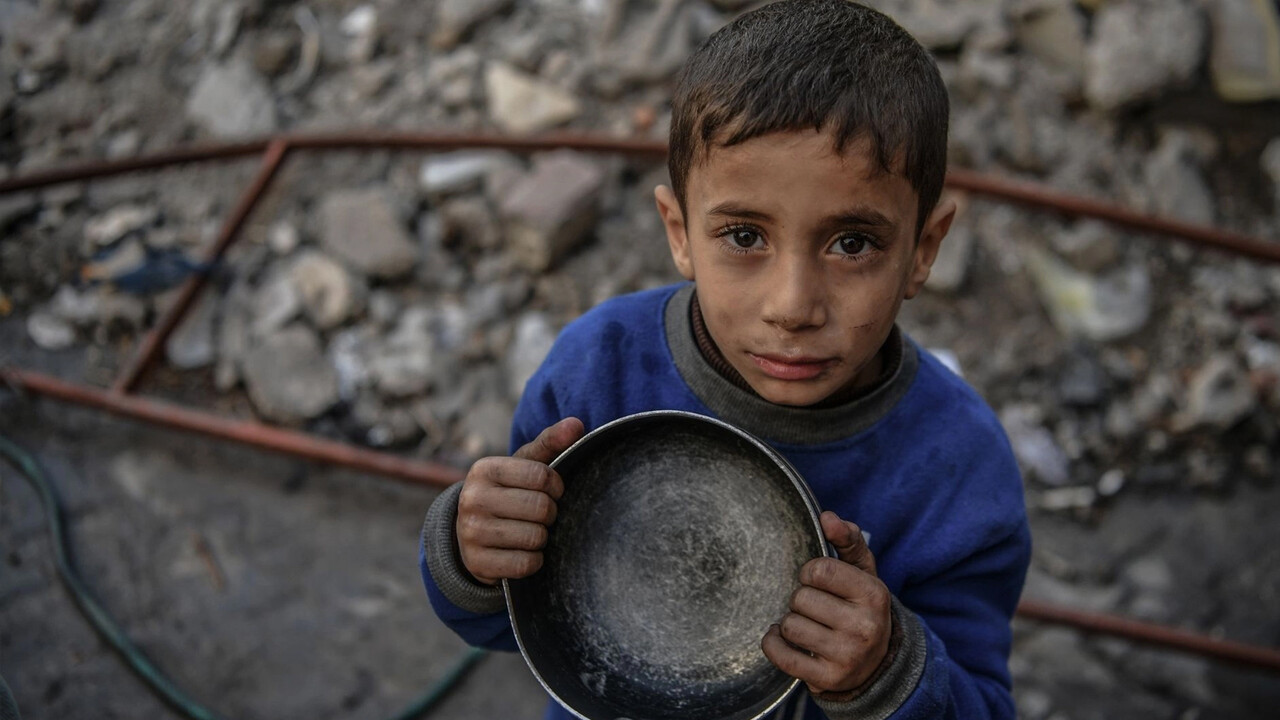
(1245, 58)
(288, 377)
(361, 228)
(232, 100)
(328, 293)
(521, 103)
(549, 211)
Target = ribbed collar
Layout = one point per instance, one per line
(780, 423)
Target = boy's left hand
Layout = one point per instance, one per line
(837, 632)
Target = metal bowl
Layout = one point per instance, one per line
(679, 540)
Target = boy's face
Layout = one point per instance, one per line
(802, 258)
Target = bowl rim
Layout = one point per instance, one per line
(797, 482)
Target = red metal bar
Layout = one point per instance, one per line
(107, 168)
(153, 343)
(1022, 193)
(649, 149)
(1045, 199)
(316, 449)
(253, 434)
(1152, 634)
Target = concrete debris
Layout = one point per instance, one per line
(1218, 396)
(193, 343)
(1091, 246)
(283, 237)
(455, 78)
(523, 104)
(1159, 43)
(1270, 161)
(118, 222)
(462, 170)
(362, 31)
(232, 100)
(1054, 32)
(533, 339)
(470, 222)
(402, 300)
(288, 378)
(455, 18)
(1103, 308)
(1178, 189)
(275, 304)
(328, 293)
(1245, 55)
(361, 229)
(486, 428)
(551, 210)
(403, 364)
(50, 332)
(97, 306)
(274, 53)
(233, 336)
(1034, 446)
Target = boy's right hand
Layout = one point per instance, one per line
(507, 503)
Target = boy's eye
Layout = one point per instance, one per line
(853, 245)
(744, 238)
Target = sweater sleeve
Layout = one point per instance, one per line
(954, 659)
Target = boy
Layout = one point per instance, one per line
(808, 149)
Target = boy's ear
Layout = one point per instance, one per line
(931, 235)
(673, 222)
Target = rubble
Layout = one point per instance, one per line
(533, 339)
(288, 377)
(328, 293)
(1219, 395)
(1245, 55)
(401, 300)
(550, 210)
(49, 331)
(118, 222)
(1103, 308)
(522, 104)
(1159, 43)
(361, 229)
(192, 344)
(232, 100)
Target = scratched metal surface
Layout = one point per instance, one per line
(677, 544)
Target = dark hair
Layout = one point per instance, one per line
(817, 64)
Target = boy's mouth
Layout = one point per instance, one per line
(791, 368)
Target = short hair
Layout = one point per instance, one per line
(817, 64)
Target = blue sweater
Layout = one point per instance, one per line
(921, 465)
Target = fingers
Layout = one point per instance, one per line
(791, 660)
(517, 473)
(489, 565)
(806, 634)
(849, 543)
(499, 534)
(552, 441)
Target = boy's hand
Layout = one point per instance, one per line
(507, 503)
(837, 632)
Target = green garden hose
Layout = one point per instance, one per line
(151, 675)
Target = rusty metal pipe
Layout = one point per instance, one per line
(1042, 198)
(1022, 193)
(316, 449)
(107, 168)
(153, 342)
(632, 147)
(1151, 634)
(253, 434)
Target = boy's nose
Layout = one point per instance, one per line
(793, 300)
